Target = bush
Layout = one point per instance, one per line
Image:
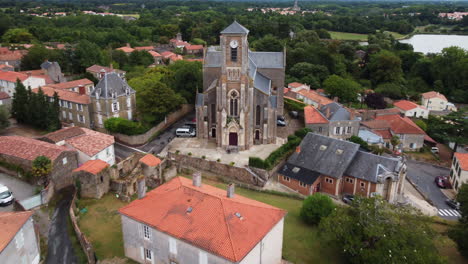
(125, 126)
(301, 133)
(421, 124)
(360, 141)
(316, 207)
(292, 105)
(256, 162)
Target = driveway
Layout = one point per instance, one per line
(21, 190)
(422, 175)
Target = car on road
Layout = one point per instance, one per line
(435, 150)
(452, 203)
(280, 123)
(280, 117)
(294, 114)
(6, 196)
(441, 181)
(185, 132)
(348, 198)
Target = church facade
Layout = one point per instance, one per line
(242, 92)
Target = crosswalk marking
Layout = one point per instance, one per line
(449, 212)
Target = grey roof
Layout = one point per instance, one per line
(213, 59)
(299, 173)
(370, 137)
(46, 64)
(328, 161)
(371, 167)
(199, 101)
(262, 83)
(268, 60)
(337, 112)
(110, 84)
(235, 28)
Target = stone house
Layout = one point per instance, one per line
(435, 101)
(81, 86)
(22, 151)
(75, 108)
(337, 167)
(198, 223)
(112, 97)
(296, 87)
(332, 120)
(93, 178)
(6, 67)
(411, 109)
(459, 170)
(19, 242)
(152, 170)
(89, 144)
(178, 42)
(193, 49)
(53, 70)
(8, 81)
(12, 58)
(313, 98)
(5, 100)
(99, 71)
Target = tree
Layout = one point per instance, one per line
(4, 115)
(385, 67)
(374, 231)
(37, 54)
(87, 54)
(451, 128)
(268, 43)
(20, 103)
(421, 124)
(391, 90)
(395, 141)
(360, 141)
(345, 89)
(142, 58)
(41, 167)
(185, 78)
(316, 207)
(459, 233)
(309, 73)
(375, 100)
(17, 35)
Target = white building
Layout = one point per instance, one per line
(8, 81)
(435, 101)
(411, 109)
(459, 170)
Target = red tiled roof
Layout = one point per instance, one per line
(428, 138)
(295, 85)
(65, 95)
(126, 49)
(194, 60)
(11, 223)
(212, 225)
(433, 94)
(313, 116)
(12, 56)
(97, 69)
(314, 96)
(405, 105)
(147, 48)
(28, 148)
(71, 84)
(385, 133)
(64, 133)
(4, 95)
(4, 66)
(462, 160)
(11, 76)
(167, 54)
(93, 166)
(376, 124)
(39, 74)
(401, 125)
(154, 53)
(194, 47)
(176, 57)
(150, 160)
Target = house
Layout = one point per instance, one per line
(75, 107)
(198, 223)
(332, 120)
(127, 49)
(171, 56)
(89, 144)
(39, 74)
(177, 42)
(145, 48)
(19, 242)
(94, 180)
(296, 87)
(156, 56)
(99, 71)
(53, 70)
(5, 100)
(411, 109)
(12, 58)
(81, 86)
(337, 167)
(22, 151)
(435, 101)
(112, 97)
(193, 49)
(380, 128)
(8, 81)
(459, 170)
(313, 98)
(6, 67)
(371, 138)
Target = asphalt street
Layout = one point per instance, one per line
(423, 175)
(21, 190)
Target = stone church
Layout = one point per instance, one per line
(242, 92)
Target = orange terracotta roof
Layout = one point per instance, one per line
(314, 96)
(147, 48)
(71, 84)
(194, 47)
(176, 57)
(167, 54)
(93, 166)
(4, 95)
(212, 224)
(194, 60)
(126, 49)
(406, 105)
(313, 116)
(376, 124)
(295, 85)
(65, 95)
(28, 148)
(286, 90)
(401, 125)
(433, 94)
(4, 66)
(12, 56)
(150, 160)
(11, 223)
(154, 53)
(385, 133)
(11, 76)
(462, 160)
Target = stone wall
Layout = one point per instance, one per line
(137, 140)
(84, 242)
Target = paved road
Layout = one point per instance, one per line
(422, 175)
(21, 190)
(60, 249)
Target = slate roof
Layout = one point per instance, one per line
(205, 217)
(337, 112)
(11, 223)
(299, 173)
(111, 83)
(268, 60)
(235, 28)
(326, 161)
(262, 83)
(370, 137)
(213, 59)
(368, 166)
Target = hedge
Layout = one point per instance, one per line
(125, 126)
(292, 105)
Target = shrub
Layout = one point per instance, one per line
(232, 163)
(359, 141)
(292, 105)
(315, 207)
(218, 160)
(301, 133)
(125, 126)
(190, 153)
(256, 162)
(203, 157)
(421, 124)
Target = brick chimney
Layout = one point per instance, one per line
(141, 187)
(335, 99)
(298, 149)
(327, 112)
(230, 190)
(128, 45)
(196, 178)
(81, 89)
(351, 115)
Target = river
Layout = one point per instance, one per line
(426, 43)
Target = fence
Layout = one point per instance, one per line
(84, 242)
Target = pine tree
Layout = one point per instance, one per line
(20, 103)
(53, 112)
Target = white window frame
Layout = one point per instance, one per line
(202, 257)
(115, 107)
(70, 115)
(19, 239)
(337, 130)
(99, 119)
(329, 180)
(148, 254)
(64, 114)
(146, 232)
(129, 102)
(286, 178)
(172, 246)
(349, 130)
(302, 184)
(64, 161)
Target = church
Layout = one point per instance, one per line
(242, 93)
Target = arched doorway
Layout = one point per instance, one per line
(387, 188)
(233, 139)
(257, 134)
(213, 132)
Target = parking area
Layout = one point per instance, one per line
(21, 190)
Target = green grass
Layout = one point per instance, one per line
(80, 255)
(348, 36)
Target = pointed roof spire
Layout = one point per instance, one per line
(235, 28)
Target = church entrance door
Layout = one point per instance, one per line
(213, 132)
(232, 139)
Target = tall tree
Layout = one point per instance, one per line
(4, 115)
(385, 67)
(20, 103)
(345, 89)
(452, 127)
(375, 100)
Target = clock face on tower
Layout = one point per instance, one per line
(234, 44)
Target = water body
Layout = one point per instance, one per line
(426, 43)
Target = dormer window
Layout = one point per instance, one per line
(114, 95)
(127, 91)
(323, 147)
(296, 169)
(339, 151)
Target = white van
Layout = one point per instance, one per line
(185, 132)
(6, 197)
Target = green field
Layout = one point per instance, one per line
(357, 36)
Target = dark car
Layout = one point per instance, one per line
(280, 117)
(441, 181)
(294, 114)
(452, 203)
(348, 198)
(280, 123)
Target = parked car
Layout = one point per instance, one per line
(348, 198)
(294, 114)
(435, 150)
(185, 132)
(6, 196)
(452, 203)
(280, 123)
(441, 181)
(280, 117)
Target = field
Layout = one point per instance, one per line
(357, 36)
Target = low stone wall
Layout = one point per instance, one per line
(138, 140)
(85, 244)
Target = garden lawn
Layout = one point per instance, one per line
(348, 36)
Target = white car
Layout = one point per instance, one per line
(435, 150)
(6, 197)
(185, 132)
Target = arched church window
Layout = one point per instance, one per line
(234, 54)
(233, 103)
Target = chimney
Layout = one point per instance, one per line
(327, 112)
(298, 149)
(351, 115)
(230, 190)
(102, 73)
(141, 187)
(128, 45)
(81, 89)
(111, 66)
(196, 179)
(335, 99)
(29, 73)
